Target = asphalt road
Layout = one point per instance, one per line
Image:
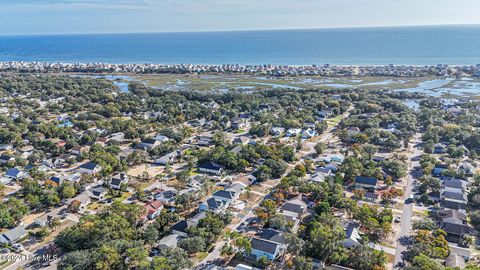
(406, 219)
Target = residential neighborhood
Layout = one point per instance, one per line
(264, 180)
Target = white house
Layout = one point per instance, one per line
(118, 180)
(89, 168)
(98, 192)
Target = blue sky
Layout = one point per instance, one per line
(19, 17)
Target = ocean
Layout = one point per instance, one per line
(429, 45)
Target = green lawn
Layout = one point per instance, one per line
(200, 256)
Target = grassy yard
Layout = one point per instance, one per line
(124, 196)
(200, 256)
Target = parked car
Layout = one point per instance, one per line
(18, 247)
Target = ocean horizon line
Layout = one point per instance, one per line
(413, 26)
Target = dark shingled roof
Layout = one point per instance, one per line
(212, 203)
(210, 166)
(149, 141)
(456, 229)
(366, 180)
(263, 245)
(452, 214)
(455, 195)
(116, 182)
(223, 194)
(180, 226)
(454, 183)
(274, 236)
(89, 166)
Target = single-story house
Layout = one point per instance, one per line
(169, 241)
(14, 235)
(240, 140)
(439, 148)
(83, 200)
(167, 158)
(46, 218)
(454, 199)
(57, 179)
(277, 131)
(452, 216)
(118, 137)
(293, 132)
(453, 183)
(309, 133)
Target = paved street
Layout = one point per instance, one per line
(406, 220)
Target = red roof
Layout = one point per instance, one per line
(155, 204)
(152, 207)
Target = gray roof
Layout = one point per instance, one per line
(299, 209)
(98, 190)
(452, 216)
(263, 245)
(454, 183)
(15, 234)
(224, 194)
(456, 229)
(274, 236)
(455, 195)
(170, 240)
(236, 188)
